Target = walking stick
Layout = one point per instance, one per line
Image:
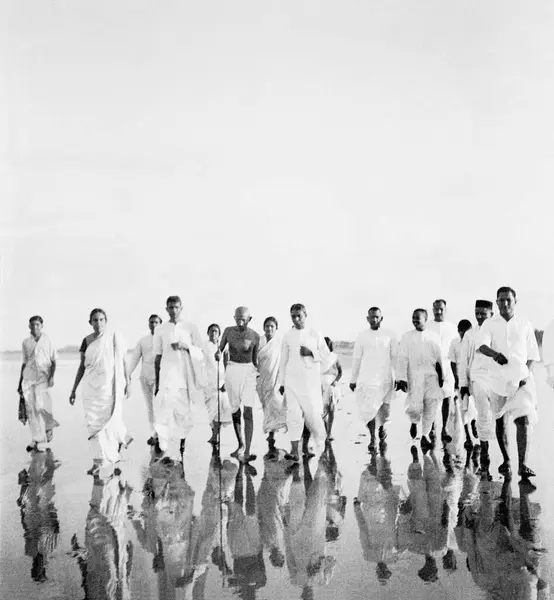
(222, 553)
(218, 413)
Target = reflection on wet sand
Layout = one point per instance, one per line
(499, 536)
(179, 541)
(106, 558)
(376, 509)
(39, 516)
(420, 521)
(305, 522)
(447, 517)
(244, 537)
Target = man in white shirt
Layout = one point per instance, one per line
(512, 345)
(303, 351)
(374, 359)
(419, 373)
(446, 332)
(178, 368)
(473, 379)
(144, 350)
(35, 381)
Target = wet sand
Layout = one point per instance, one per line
(275, 532)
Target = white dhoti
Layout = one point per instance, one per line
(305, 405)
(174, 419)
(447, 388)
(374, 402)
(224, 415)
(424, 395)
(148, 392)
(39, 411)
(486, 426)
(468, 409)
(521, 402)
(240, 383)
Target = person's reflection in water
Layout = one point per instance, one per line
(245, 543)
(420, 520)
(502, 558)
(452, 486)
(305, 525)
(376, 510)
(39, 517)
(106, 559)
(272, 499)
(336, 502)
(166, 527)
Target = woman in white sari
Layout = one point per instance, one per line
(105, 380)
(273, 403)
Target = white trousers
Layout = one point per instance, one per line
(173, 419)
(486, 423)
(39, 411)
(305, 408)
(148, 392)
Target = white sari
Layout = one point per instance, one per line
(274, 405)
(103, 391)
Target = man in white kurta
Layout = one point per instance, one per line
(473, 376)
(419, 372)
(446, 332)
(375, 353)
(302, 352)
(512, 345)
(548, 353)
(178, 366)
(144, 350)
(37, 377)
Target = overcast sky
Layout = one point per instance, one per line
(340, 154)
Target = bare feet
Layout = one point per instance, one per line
(525, 472)
(505, 468)
(239, 451)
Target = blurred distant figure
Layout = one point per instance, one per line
(374, 361)
(144, 350)
(274, 405)
(511, 343)
(37, 377)
(103, 370)
(419, 372)
(446, 332)
(474, 379)
(39, 515)
(331, 373)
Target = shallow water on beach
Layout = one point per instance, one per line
(392, 525)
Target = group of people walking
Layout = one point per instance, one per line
(482, 373)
